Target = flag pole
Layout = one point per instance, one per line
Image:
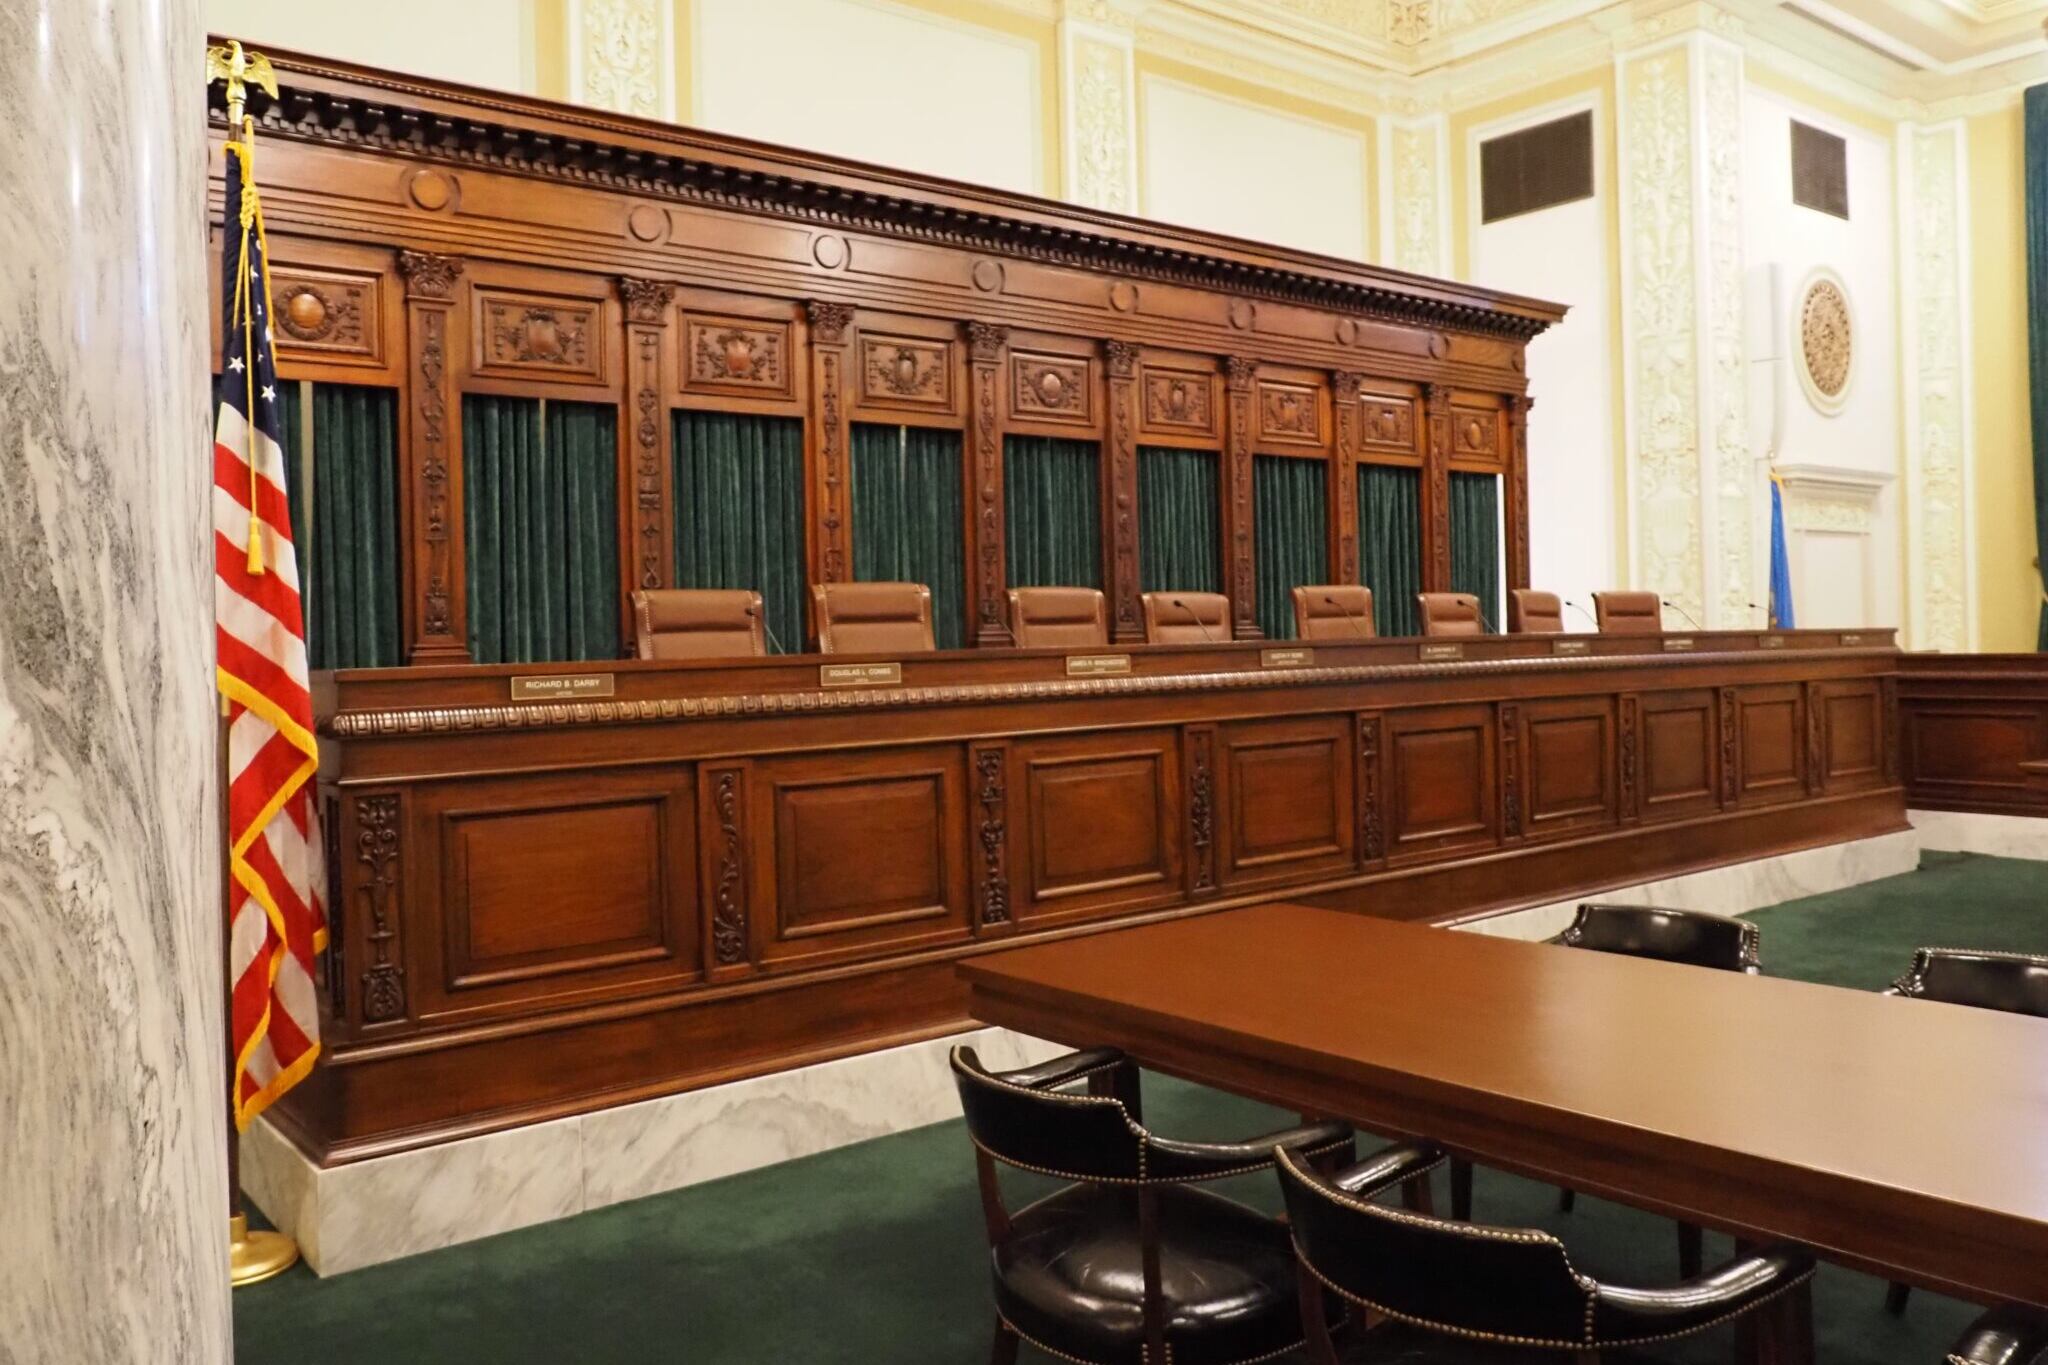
(259, 1254)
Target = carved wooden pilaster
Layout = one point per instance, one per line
(992, 865)
(1517, 482)
(1815, 706)
(1631, 762)
(1731, 776)
(436, 603)
(377, 878)
(1510, 771)
(1344, 388)
(1436, 490)
(1237, 460)
(827, 440)
(987, 343)
(1201, 810)
(650, 555)
(1888, 720)
(1372, 836)
(723, 837)
(1127, 620)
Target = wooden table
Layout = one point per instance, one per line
(1905, 1138)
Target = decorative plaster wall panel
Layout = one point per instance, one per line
(1098, 95)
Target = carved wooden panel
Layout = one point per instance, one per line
(1288, 792)
(331, 314)
(906, 372)
(992, 895)
(899, 814)
(1475, 433)
(1126, 612)
(1849, 721)
(536, 336)
(1771, 744)
(986, 344)
(1387, 425)
(745, 357)
(1052, 388)
(1372, 785)
(1970, 751)
(1289, 414)
(1568, 781)
(1442, 786)
(727, 866)
(1680, 746)
(376, 841)
(1179, 402)
(555, 885)
(1099, 824)
(1200, 741)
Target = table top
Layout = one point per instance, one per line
(1767, 1107)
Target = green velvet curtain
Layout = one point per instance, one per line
(540, 494)
(2036, 159)
(1475, 540)
(907, 518)
(1290, 534)
(739, 483)
(1180, 535)
(345, 521)
(1390, 544)
(1052, 494)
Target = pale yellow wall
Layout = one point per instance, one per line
(2008, 589)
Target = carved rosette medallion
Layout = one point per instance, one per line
(309, 313)
(377, 849)
(1827, 336)
(1049, 387)
(992, 892)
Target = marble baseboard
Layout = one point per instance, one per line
(1735, 889)
(2000, 836)
(368, 1212)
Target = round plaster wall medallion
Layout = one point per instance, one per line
(430, 190)
(647, 223)
(988, 276)
(1123, 296)
(829, 250)
(1824, 339)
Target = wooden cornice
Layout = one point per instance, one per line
(360, 107)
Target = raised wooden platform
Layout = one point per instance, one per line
(547, 907)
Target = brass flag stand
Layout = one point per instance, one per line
(253, 1256)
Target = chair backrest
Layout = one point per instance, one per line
(1333, 611)
(1058, 618)
(1628, 613)
(698, 623)
(1450, 613)
(873, 618)
(1074, 1137)
(1455, 1277)
(2014, 982)
(1531, 612)
(1187, 618)
(1689, 936)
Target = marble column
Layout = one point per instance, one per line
(113, 1224)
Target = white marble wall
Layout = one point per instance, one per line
(1999, 836)
(113, 1220)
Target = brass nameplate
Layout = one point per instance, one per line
(562, 687)
(1770, 642)
(1677, 644)
(1097, 665)
(1286, 658)
(1571, 647)
(1437, 654)
(1849, 640)
(860, 675)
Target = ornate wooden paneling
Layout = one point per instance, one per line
(1772, 745)
(1442, 783)
(539, 337)
(336, 316)
(1436, 490)
(648, 553)
(746, 357)
(1200, 743)
(435, 602)
(899, 814)
(1570, 768)
(1478, 438)
(1099, 824)
(1238, 450)
(1290, 414)
(908, 372)
(987, 344)
(1973, 731)
(1680, 741)
(1053, 389)
(1387, 425)
(1120, 482)
(1179, 401)
(1851, 720)
(1372, 786)
(374, 836)
(1344, 402)
(1515, 515)
(992, 888)
(826, 442)
(725, 870)
(1287, 789)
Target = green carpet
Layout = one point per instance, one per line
(873, 1253)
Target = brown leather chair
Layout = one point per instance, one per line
(1628, 613)
(1058, 618)
(1535, 613)
(1186, 618)
(1333, 611)
(1450, 613)
(699, 623)
(873, 618)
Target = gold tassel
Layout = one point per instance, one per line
(255, 545)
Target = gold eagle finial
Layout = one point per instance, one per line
(240, 69)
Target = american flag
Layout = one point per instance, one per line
(275, 921)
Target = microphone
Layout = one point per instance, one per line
(1591, 620)
(1758, 606)
(1200, 624)
(1665, 601)
(1357, 621)
(766, 629)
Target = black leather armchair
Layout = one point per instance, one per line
(1447, 1285)
(2004, 1336)
(1129, 1264)
(1691, 937)
(2016, 983)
